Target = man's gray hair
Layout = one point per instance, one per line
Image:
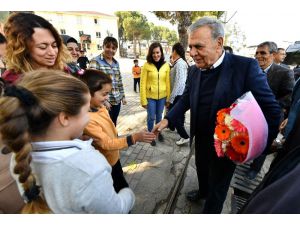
(217, 29)
(270, 44)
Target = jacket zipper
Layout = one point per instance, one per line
(158, 84)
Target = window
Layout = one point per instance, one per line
(99, 47)
(80, 33)
(62, 31)
(98, 34)
(95, 21)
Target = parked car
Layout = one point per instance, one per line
(293, 54)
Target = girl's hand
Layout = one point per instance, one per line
(144, 136)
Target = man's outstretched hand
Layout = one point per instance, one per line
(160, 126)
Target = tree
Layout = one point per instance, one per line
(3, 17)
(234, 37)
(133, 26)
(122, 38)
(184, 19)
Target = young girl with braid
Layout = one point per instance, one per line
(40, 120)
(102, 129)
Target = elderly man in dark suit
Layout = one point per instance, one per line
(215, 81)
(281, 81)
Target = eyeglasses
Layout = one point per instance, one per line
(261, 52)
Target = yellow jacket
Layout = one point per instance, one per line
(155, 84)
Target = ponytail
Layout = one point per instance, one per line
(14, 120)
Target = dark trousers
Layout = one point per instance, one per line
(136, 81)
(114, 113)
(214, 174)
(118, 177)
(180, 121)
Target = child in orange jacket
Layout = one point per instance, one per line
(136, 72)
(102, 129)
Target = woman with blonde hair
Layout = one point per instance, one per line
(32, 43)
(41, 119)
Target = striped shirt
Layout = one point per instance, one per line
(117, 91)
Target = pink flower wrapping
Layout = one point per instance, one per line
(241, 132)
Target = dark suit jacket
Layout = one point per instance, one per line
(281, 81)
(238, 75)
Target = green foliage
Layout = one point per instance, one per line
(179, 16)
(184, 19)
(3, 16)
(134, 26)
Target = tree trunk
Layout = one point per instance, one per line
(140, 48)
(183, 24)
(134, 45)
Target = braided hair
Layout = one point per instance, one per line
(27, 110)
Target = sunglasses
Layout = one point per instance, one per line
(261, 52)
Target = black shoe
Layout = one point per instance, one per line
(251, 174)
(193, 196)
(160, 137)
(153, 143)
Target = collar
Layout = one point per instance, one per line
(52, 151)
(217, 63)
(268, 68)
(104, 60)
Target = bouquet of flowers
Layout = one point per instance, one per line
(241, 131)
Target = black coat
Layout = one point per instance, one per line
(281, 81)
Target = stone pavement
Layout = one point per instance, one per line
(160, 175)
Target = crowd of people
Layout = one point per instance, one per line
(59, 112)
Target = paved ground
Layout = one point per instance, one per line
(156, 173)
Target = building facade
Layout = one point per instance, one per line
(88, 28)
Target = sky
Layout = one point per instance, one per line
(280, 29)
(260, 20)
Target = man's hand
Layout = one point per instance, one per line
(144, 106)
(167, 104)
(160, 126)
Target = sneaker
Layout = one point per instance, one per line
(182, 141)
(153, 143)
(160, 137)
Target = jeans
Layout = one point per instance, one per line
(155, 109)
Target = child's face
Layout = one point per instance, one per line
(100, 96)
(136, 63)
(79, 122)
(109, 51)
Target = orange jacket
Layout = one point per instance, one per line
(103, 131)
(136, 71)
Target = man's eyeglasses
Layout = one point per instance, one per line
(261, 52)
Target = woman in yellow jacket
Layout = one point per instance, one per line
(155, 86)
